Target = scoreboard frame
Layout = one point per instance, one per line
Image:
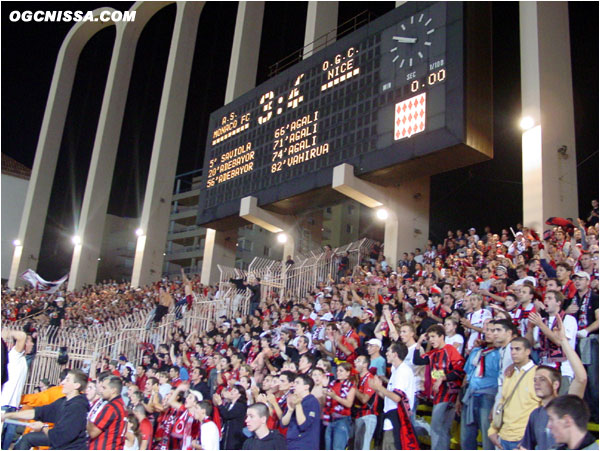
(248, 132)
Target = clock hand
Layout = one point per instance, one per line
(404, 40)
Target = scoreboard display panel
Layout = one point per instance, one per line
(388, 93)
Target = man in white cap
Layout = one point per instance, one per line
(374, 346)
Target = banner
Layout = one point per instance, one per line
(40, 284)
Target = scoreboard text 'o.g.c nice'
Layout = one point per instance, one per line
(405, 96)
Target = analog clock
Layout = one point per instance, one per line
(411, 45)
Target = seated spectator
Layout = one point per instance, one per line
(69, 415)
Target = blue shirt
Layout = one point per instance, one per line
(491, 363)
(307, 434)
(379, 364)
(537, 435)
(183, 374)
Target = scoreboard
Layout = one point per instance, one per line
(387, 94)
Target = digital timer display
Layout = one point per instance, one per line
(386, 94)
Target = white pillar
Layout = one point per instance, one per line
(407, 204)
(244, 53)
(549, 158)
(147, 266)
(242, 77)
(219, 249)
(321, 26)
(46, 155)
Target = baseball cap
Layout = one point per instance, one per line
(197, 395)
(375, 342)
(582, 275)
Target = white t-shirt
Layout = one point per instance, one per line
(477, 319)
(17, 376)
(570, 326)
(402, 378)
(457, 338)
(209, 436)
(418, 370)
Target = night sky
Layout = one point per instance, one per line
(459, 199)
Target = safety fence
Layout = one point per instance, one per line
(310, 269)
(85, 346)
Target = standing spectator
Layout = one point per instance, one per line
(107, 430)
(546, 338)
(481, 380)
(475, 320)
(209, 432)
(568, 417)
(518, 397)
(547, 382)
(587, 344)
(232, 413)
(446, 376)
(263, 438)
(337, 410)
(398, 431)
(146, 430)
(303, 416)
(377, 361)
(365, 407)
(12, 390)
(68, 414)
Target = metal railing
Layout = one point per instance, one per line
(86, 345)
(309, 269)
(322, 41)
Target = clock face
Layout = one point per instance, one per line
(412, 45)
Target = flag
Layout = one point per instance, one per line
(409, 117)
(40, 284)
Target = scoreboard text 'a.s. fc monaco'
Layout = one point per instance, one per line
(393, 92)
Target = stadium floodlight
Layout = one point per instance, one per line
(76, 240)
(139, 232)
(382, 214)
(527, 122)
(16, 243)
(282, 238)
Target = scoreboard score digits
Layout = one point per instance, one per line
(378, 97)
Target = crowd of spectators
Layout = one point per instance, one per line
(498, 332)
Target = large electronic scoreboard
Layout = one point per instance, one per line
(407, 94)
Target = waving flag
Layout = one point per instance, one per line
(40, 284)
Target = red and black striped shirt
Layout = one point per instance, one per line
(111, 420)
(446, 361)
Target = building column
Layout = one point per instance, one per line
(549, 158)
(148, 261)
(35, 209)
(407, 205)
(219, 249)
(244, 53)
(321, 26)
(84, 263)
(242, 77)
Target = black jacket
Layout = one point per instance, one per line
(274, 440)
(70, 420)
(233, 423)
